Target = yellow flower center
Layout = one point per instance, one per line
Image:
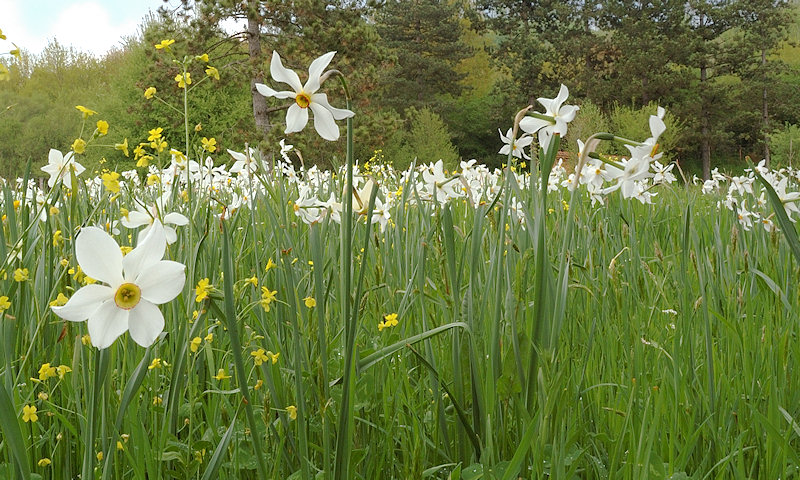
(302, 100)
(127, 296)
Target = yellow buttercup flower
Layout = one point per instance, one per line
(123, 147)
(194, 345)
(202, 289)
(20, 274)
(102, 127)
(292, 411)
(4, 304)
(310, 302)
(154, 134)
(58, 237)
(389, 320)
(273, 356)
(156, 363)
(149, 92)
(212, 72)
(79, 146)
(209, 144)
(62, 370)
(44, 462)
(29, 414)
(267, 297)
(259, 356)
(221, 375)
(252, 281)
(164, 45)
(183, 79)
(270, 265)
(202, 58)
(85, 111)
(111, 181)
(46, 371)
(60, 300)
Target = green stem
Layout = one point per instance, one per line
(345, 437)
(232, 324)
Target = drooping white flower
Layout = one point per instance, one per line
(60, 166)
(306, 97)
(555, 108)
(134, 285)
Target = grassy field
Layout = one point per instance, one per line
(675, 358)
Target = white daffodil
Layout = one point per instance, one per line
(59, 167)
(305, 97)
(555, 108)
(134, 285)
(153, 214)
(517, 147)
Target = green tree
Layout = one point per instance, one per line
(424, 38)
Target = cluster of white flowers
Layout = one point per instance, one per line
(747, 198)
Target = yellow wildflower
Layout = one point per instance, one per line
(202, 289)
(221, 375)
(111, 181)
(209, 144)
(310, 302)
(58, 237)
(273, 356)
(102, 127)
(267, 297)
(4, 73)
(125, 250)
(154, 134)
(259, 356)
(86, 339)
(46, 371)
(123, 147)
(252, 281)
(20, 274)
(60, 300)
(159, 145)
(156, 363)
(145, 161)
(149, 92)
(292, 411)
(212, 72)
(85, 111)
(270, 265)
(44, 462)
(164, 45)
(62, 371)
(29, 414)
(157, 400)
(194, 345)
(4, 304)
(99, 456)
(79, 146)
(259, 384)
(202, 58)
(183, 79)
(43, 396)
(389, 320)
(209, 338)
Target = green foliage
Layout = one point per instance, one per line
(633, 123)
(784, 144)
(427, 140)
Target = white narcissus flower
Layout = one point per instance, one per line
(150, 215)
(59, 167)
(517, 147)
(305, 97)
(555, 108)
(134, 285)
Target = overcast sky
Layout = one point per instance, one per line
(93, 26)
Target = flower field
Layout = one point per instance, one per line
(254, 318)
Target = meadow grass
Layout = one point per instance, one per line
(675, 360)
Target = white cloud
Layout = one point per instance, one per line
(88, 27)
